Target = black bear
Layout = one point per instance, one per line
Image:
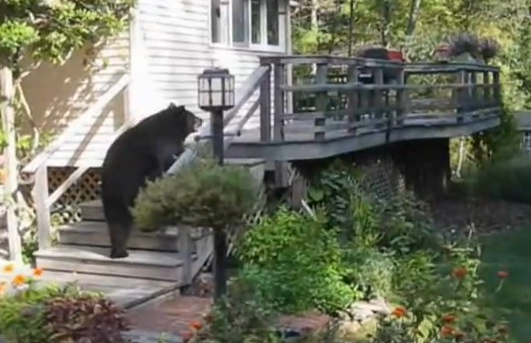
(143, 152)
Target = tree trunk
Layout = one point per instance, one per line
(11, 163)
(412, 20)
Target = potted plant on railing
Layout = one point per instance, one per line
(202, 194)
(469, 47)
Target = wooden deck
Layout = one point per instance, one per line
(335, 113)
(299, 142)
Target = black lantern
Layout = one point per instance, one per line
(216, 90)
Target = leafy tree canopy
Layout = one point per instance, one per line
(52, 29)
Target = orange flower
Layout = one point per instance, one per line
(503, 273)
(37, 271)
(186, 335)
(3, 286)
(19, 279)
(449, 318)
(447, 330)
(399, 311)
(8, 268)
(460, 272)
(196, 324)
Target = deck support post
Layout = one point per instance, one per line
(41, 205)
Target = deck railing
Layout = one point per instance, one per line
(335, 102)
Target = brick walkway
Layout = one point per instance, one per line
(173, 316)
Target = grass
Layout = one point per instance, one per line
(510, 251)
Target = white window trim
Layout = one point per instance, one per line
(249, 46)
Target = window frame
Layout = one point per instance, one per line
(248, 45)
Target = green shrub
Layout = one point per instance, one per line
(295, 262)
(202, 194)
(507, 179)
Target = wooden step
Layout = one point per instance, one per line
(93, 210)
(125, 291)
(141, 264)
(95, 233)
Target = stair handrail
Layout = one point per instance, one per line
(243, 94)
(76, 124)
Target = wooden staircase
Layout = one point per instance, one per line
(156, 263)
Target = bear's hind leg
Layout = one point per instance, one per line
(119, 234)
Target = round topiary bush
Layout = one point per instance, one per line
(202, 194)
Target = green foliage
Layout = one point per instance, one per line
(241, 316)
(51, 30)
(36, 314)
(202, 194)
(508, 179)
(295, 263)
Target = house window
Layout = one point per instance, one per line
(252, 22)
(272, 22)
(240, 15)
(526, 140)
(256, 21)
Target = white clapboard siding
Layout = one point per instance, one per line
(98, 132)
(172, 43)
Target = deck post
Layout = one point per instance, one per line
(265, 111)
(461, 95)
(497, 88)
(321, 100)
(353, 99)
(473, 92)
(43, 212)
(378, 94)
(11, 164)
(401, 99)
(281, 170)
(486, 89)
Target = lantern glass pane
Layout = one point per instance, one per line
(204, 99)
(216, 84)
(203, 84)
(217, 99)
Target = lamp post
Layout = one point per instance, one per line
(216, 95)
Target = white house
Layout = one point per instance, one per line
(168, 45)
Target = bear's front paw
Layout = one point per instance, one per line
(119, 254)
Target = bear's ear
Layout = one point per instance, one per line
(172, 105)
(175, 107)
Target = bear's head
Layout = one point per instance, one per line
(190, 121)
